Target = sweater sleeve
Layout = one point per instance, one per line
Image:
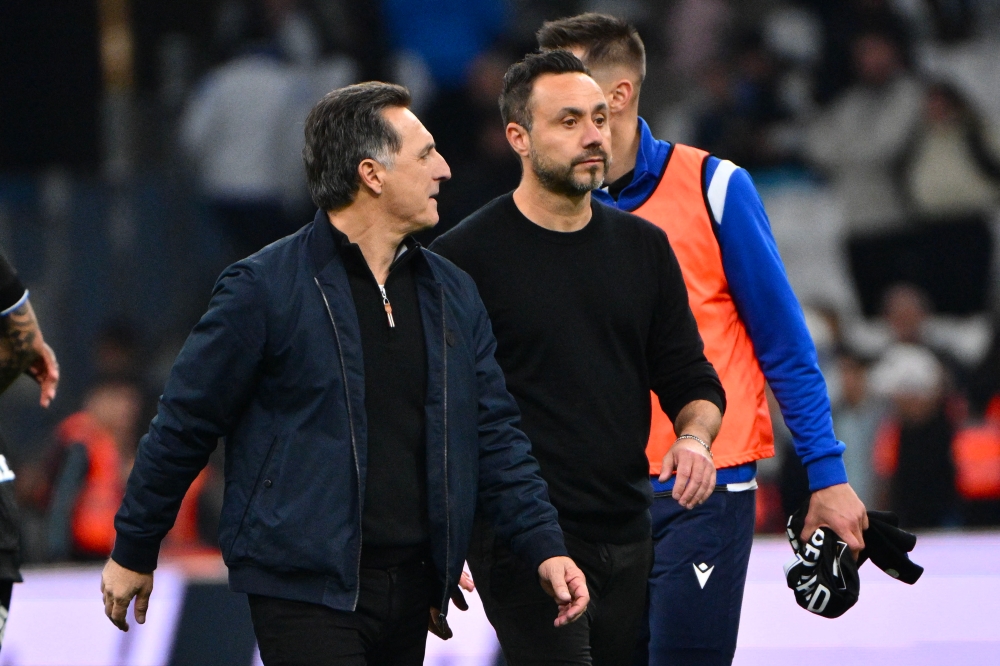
(679, 373)
(775, 322)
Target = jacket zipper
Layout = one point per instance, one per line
(354, 444)
(447, 501)
(387, 305)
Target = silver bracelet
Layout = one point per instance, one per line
(697, 439)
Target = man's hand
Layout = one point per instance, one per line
(119, 585)
(564, 582)
(444, 632)
(838, 508)
(695, 468)
(45, 370)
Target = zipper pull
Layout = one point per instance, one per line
(388, 306)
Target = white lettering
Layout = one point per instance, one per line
(819, 600)
(6, 473)
(807, 585)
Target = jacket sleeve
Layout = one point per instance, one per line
(209, 385)
(777, 327)
(679, 373)
(511, 489)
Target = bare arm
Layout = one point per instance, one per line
(23, 349)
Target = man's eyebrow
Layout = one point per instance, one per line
(601, 106)
(428, 148)
(571, 110)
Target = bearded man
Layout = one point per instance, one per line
(590, 313)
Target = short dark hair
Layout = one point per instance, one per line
(344, 128)
(606, 40)
(519, 81)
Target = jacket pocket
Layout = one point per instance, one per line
(254, 496)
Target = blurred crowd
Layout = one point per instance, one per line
(871, 127)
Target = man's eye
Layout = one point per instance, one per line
(569, 122)
(599, 120)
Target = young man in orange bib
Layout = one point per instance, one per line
(754, 332)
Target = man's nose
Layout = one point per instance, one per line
(443, 171)
(593, 137)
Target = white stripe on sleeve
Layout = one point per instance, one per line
(718, 187)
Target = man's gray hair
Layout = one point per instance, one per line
(346, 127)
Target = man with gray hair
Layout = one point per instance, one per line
(352, 376)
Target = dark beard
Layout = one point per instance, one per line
(560, 179)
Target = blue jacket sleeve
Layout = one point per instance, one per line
(209, 385)
(511, 489)
(775, 322)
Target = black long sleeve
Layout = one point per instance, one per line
(11, 289)
(587, 323)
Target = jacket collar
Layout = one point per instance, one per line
(650, 161)
(326, 241)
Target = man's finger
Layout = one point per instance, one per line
(559, 590)
(707, 485)
(119, 610)
(696, 480)
(667, 467)
(109, 605)
(466, 583)
(141, 606)
(581, 598)
(683, 476)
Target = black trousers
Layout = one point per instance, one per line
(6, 588)
(388, 628)
(522, 613)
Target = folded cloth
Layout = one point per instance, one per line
(824, 581)
(887, 546)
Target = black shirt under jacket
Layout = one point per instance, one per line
(394, 524)
(587, 322)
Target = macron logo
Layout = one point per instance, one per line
(703, 571)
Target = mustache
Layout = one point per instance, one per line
(591, 154)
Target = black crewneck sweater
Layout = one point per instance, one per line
(587, 323)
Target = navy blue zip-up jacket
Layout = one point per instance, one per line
(275, 367)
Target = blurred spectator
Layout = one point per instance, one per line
(97, 448)
(95, 451)
(953, 167)
(907, 313)
(906, 309)
(860, 139)
(696, 31)
(953, 19)
(232, 129)
(744, 108)
(843, 23)
(912, 453)
(856, 418)
(117, 350)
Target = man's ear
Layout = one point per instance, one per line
(621, 95)
(519, 140)
(372, 175)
